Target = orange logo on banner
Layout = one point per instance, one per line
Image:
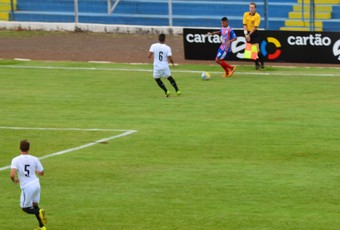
(250, 52)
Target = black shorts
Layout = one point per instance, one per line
(254, 37)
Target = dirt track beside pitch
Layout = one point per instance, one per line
(83, 46)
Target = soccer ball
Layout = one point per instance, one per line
(205, 76)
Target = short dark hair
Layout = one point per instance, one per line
(224, 19)
(24, 145)
(253, 3)
(161, 38)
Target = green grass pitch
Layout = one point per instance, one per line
(259, 150)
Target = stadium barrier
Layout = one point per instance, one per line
(277, 46)
(85, 27)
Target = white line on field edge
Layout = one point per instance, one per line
(64, 129)
(125, 133)
(22, 59)
(173, 70)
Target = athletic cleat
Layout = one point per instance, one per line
(262, 65)
(42, 228)
(225, 74)
(231, 72)
(167, 94)
(42, 216)
(257, 66)
(179, 92)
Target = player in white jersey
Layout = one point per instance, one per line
(23, 169)
(161, 55)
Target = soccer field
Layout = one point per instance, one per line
(259, 150)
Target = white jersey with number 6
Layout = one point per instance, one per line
(161, 53)
(26, 166)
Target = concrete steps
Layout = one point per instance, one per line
(299, 18)
(5, 8)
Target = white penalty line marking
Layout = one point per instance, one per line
(173, 70)
(125, 133)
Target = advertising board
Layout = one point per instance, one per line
(276, 46)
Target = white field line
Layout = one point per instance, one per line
(262, 73)
(125, 133)
(63, 129)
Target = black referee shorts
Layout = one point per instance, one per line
(254, 37)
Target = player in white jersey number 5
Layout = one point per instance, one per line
(161, 55)
(24, 169)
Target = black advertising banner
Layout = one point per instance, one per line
(276, 46)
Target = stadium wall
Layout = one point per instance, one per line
(320, 47)
(98, 28)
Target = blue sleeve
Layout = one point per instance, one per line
(232, 34)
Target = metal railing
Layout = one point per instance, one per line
(12, 11)
(311, 14)
(76, 11)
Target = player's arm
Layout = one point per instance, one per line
(13, 177)
(252, 30)
(151, 51)
(214, 32)
(39, 169)
(244, 22)
(245, 31)
(150, 55)
(246, 34)
(171, 60)
(42, 173)
(231, 40)
(233, 37)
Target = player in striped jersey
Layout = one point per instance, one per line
(227, 37)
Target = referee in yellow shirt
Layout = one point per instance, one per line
(251, 21)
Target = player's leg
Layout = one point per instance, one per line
(220, 60)
(29, 201)
(157, 76)
(223, 65)
(41, 213)
(231, 68)
(41, 217)
(174, 84)
(261, 58)
(36, 200)
(259, 62)
(26, 201)
(35, 211)
(162, 86)
(172, 81)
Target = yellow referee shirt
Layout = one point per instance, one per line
(251, 21)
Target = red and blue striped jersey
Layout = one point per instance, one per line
(227, 34)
